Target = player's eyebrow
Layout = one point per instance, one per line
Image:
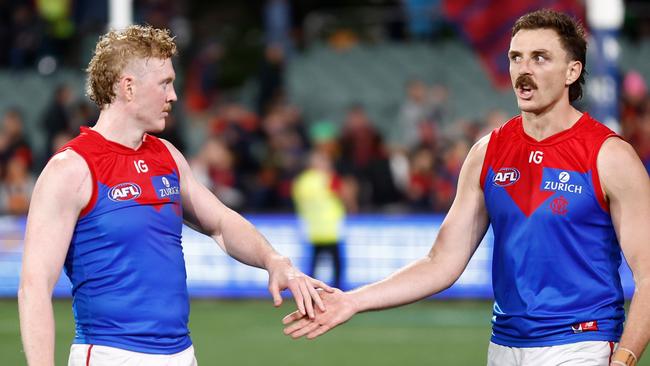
(514, 53)
(541, 51)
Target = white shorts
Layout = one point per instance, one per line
(94, 355)
(596, 353)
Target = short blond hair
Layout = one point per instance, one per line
(116, 49)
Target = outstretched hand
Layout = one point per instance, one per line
(340, 308)
(283, 275)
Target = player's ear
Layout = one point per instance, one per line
(125, 88)
(573, 72)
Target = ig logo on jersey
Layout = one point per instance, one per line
(506, 177)
(124, 192)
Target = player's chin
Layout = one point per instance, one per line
(157, 127)
(162, 122)
(527, 106)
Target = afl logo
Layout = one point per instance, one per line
(506, 177)
(124, 192)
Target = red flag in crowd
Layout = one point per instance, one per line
(486, 25)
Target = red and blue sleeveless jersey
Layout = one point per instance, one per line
(556, 255)
(125, 259)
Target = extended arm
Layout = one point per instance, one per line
(627, 188)
(459, 235)
(61, 191)
(242, 241)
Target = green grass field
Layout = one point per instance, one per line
(250, 333)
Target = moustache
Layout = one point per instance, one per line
(525, 80)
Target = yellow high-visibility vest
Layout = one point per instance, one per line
(318, 206)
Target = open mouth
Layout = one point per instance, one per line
(525, 91)
(525, 87)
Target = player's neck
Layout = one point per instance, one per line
(540, 126)
(115, 126)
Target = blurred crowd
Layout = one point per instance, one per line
(249, 154)
(250, 159)
(635, 115)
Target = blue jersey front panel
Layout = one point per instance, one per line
(125, 259)
(556, 254)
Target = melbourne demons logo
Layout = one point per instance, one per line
(124, 192)
(559, 206)
(506, 177)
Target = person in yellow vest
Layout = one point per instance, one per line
(317, 197)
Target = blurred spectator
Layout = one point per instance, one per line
(495, 118)
(452, 161)
(439, 104)
(317, 197)
(423, 17)
(423, 115)
(364, 157)
(157, 13)
(415, 109)
(57, 115)
(239, 129)
(173, 131)
(277, 24)
(83, 114)
(642, 142)
(6, 13)
(214, 167)
(271, 77)
(324, 138)
(286, 145)
(634, 93)
(27, 32)
(420, 191)
(323, 135)
(635, 114)
(12, 140)
(202, 84)
(57, 15)
(59, 140)
(343, 39)
(16, 186)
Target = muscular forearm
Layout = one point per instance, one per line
(637, 327)
(36, 325)
(242, 241)
(416, 281)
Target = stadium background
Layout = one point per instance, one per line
(397, 91)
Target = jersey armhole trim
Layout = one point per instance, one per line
(171, 160)
(595, 178)
(93, 198)
(492, 142)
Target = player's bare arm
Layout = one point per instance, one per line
(627, 189)
(242, 241)
(62, 190)
(459, 236)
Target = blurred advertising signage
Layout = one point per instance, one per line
(374, 247)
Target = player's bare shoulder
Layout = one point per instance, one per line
(66, 177)
(612, 151)
(175, 153)
(480, 147)
(619, 167)
(476, 155)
